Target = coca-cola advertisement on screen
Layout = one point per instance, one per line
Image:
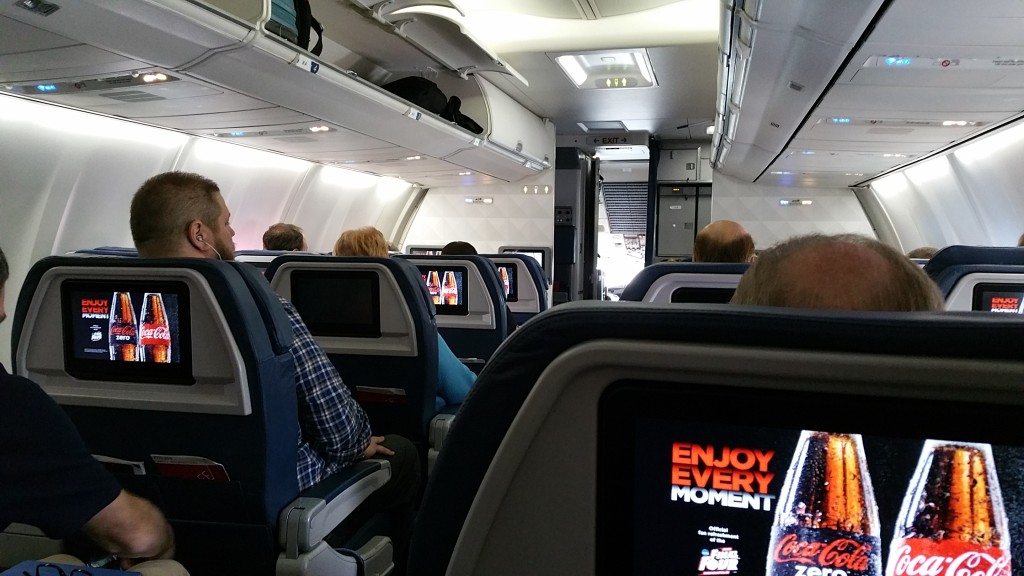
(724, 499)
(125, 326)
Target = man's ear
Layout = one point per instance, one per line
(194, 235)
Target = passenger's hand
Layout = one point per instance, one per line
(376, 448)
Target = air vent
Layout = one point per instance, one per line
(296, 139)
(132, 96)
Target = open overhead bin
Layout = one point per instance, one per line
(198, 68)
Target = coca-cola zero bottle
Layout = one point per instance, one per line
(122, 330)
(952, 521)
(449, 289)
(434, 286)
(826, 522)
(154, 333)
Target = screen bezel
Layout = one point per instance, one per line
(530, 254)
(179, 373)
(321, 328)
(449, 309)
(623, 403)
(978, 299)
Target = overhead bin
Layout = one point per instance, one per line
(240, 80)
(435, 27)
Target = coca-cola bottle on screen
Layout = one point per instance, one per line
(154, 333)
(504, 279)
(826, 521)
(952, 521)
(449, 289)
(122, 332)
(434, 286)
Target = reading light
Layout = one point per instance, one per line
(954, 123)
(710, 130)
(573, 68)
(413, 157)
(479, 200)
(795, 202)
(465, 173)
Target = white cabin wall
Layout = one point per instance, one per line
(970, 196)
(515, 217)
(67, 179)
(756, 207)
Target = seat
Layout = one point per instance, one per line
(561, 460)
(528, 293)
(374, 319)
(210, 435)
(674, 282)
(474, 325)
(965, 274)
(108, 251)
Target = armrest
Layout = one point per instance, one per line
(320, 508)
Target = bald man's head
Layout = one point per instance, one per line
(723, 241)
(846, 272)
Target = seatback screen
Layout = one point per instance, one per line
(338, 303)
(509, 281)
(999, 298)
(447, 288)
(127, 331)
(702, 295)
(733, 481)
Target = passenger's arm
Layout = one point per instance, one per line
(331, 419)
(454, 379)
(132, 527)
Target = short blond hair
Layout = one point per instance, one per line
(365, 241)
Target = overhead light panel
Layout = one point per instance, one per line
(608, 69)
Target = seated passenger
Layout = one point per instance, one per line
(454, 379)
(922, 252)
(50, 480)
(845, 271)
(461, 248)
(284, 236)
(179, 214)
(723, 241)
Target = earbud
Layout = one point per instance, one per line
(199, 237)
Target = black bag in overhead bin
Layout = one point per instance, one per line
(425, 93)
(451, 112)
(420, 91)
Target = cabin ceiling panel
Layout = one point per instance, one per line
(846, 136)
(20, 37)
(828, 146)
(952, 23)
(865, 163)
(810, 179)
(914, 100)
(994, 76)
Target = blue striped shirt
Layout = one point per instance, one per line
(333, 429)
